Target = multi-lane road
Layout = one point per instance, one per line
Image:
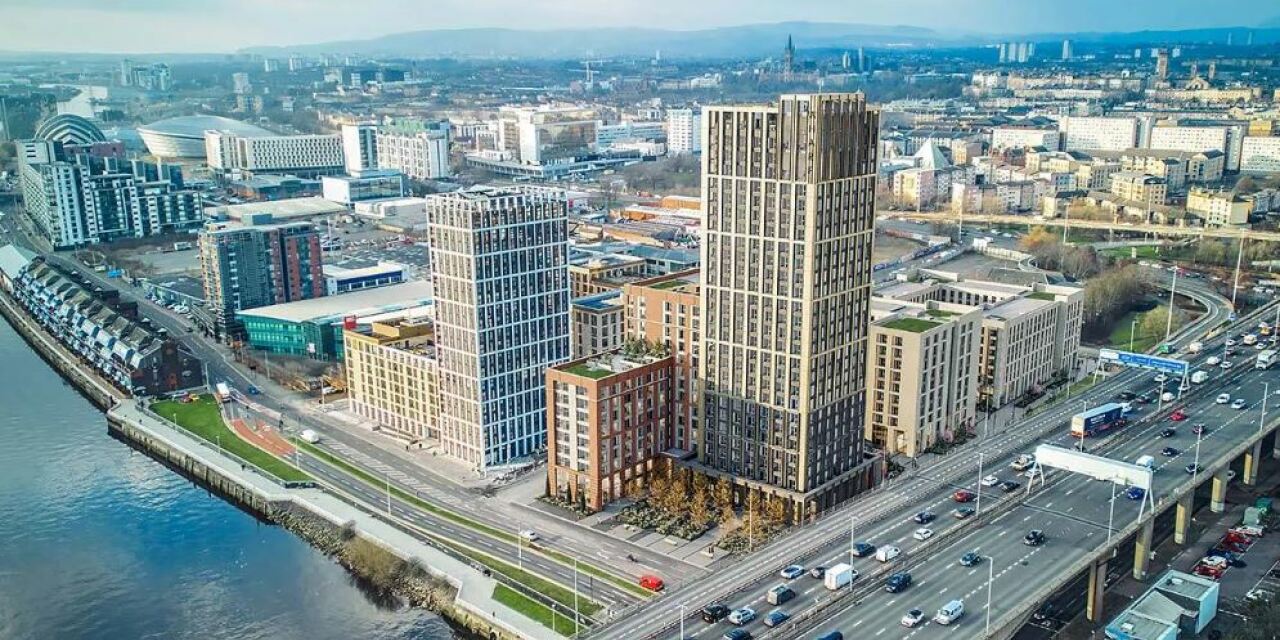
(1073, 512)
(883, 514)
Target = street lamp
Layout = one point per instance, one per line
(977, 506)
(851, 521)
(1111, 511)
(1133, 329)
(991, 580)
(1195, 468)
(682, 636)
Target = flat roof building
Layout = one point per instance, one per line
(596, 324)
(393, 377)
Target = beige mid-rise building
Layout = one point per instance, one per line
(596, 324)
(1139, 188)
(789, 194)
(393, 377)
(1030, 335)
(1218, 208)
(922, 369)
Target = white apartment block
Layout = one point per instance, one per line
(608, 135)
(1260, 155)
(1193, 139)
(314, 154)
(1139, 188)
(1098, 133)
(421, 155)
(499, 265)
(1020, 137)
(359, 146)
(684, 131)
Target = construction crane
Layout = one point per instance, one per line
(591, 73)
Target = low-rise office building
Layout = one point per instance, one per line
(393, 377)
(608, 422)
(338, 279)
(592, 273)
(313, 328)
(372, 184)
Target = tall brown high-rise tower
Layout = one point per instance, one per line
(789, 192)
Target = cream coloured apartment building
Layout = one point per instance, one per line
(666, 310)
(1029, 337)
(393, 377)
(922, 373)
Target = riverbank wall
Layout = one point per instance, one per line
(422, 575)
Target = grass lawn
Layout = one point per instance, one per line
(536, 611)
(1120, 333)
(508, 536)
(202, 419)
(585, 370)
(1144, 253)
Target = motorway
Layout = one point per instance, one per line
(1073, 511)
(881, 514)
(1232, 233)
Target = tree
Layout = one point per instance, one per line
(699, 503)
(724, 501)
(775, 511)
(1155, 321)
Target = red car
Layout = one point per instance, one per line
(1213, 573)
(652, 583)
(1178, 415)
(963, 495)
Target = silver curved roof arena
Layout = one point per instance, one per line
(183, 137)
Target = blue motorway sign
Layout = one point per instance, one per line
(1143, 361)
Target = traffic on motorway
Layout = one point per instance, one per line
(921, 572)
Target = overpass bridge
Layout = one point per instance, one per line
(1229, 233)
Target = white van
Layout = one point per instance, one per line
(950, 612)
(887, 553)
(1146, 461)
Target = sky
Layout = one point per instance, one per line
(158, 26)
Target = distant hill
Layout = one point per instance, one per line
(747, 40)
(752, 41)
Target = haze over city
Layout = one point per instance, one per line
(205, 26)
(639, 320)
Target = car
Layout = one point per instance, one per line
(831, 635)
(1199, 428)
(1009, 486)
(529, 535)
(775, 618)
(1231, 342)
(742, 616)
(791, 572)
(1223, 398)
(1193, 469)
(1178, 415)
(652, 582)
(912, 618)
(863, 549)
(1169, 452)
(924, 517)
(1135, 493)
(887, 553)
(990, 481)
(898, 582)
(970, 559)
(1239, 403)
(1145, 398)
(714, 613)
(963, 495)
(1168, 432)
(736, 634)
(1226, 364)
(1034, 538)
(1213, 361)
(1160, 377)
(962, 513)
(923, 533)
(1126, 396)
(817, 572)
(1229, 351)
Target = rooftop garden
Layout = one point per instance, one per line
(914, 325)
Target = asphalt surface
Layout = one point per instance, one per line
(1073, 511)
(880, 515)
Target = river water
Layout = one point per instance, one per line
(98, 541)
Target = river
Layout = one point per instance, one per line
(98, 541)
